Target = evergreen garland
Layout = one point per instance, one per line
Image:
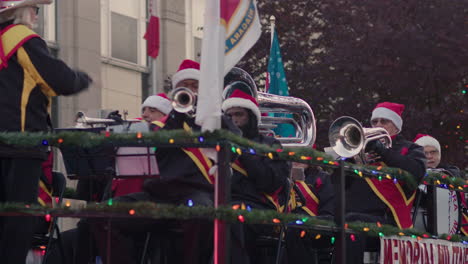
(253, 216)
(442, 180)
(239, 145)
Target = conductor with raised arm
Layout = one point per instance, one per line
(29, 77)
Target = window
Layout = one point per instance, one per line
(124, 38)
(123, 24)
(46, 24)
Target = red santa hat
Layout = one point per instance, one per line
(241, 99)
(426, 140)
(160, 102)
(390, 111)
(188, 69)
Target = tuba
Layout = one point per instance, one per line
(348, 138)
(184, 100)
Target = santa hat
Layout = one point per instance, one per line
(426, 140)
(241, 99)
(390, 111)
(188, 69)
(160, 102)
(13, 4)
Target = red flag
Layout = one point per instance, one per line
(152, 37)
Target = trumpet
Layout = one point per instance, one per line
(82, 121)
(184, 100)
(349, 138)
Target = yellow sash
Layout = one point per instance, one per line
(12, 38)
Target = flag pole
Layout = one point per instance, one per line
(154, 65)
(272, 28)
(272, 34)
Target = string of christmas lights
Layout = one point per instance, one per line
(308, 226)
(238, 145)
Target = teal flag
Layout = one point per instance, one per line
(277, 84)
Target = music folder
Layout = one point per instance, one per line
(136, 161)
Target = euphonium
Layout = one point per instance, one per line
(300, 115)
(183, 100)
(301, 118)
(349, 138)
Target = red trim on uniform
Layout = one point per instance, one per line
(394, 197)
(464, 221)
(201, 160)
(312, 202)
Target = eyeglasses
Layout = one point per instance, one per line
(36, 8)
(432, 153)
(382, 121)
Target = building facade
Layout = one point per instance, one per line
(105, 39)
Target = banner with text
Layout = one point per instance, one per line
(395, 250)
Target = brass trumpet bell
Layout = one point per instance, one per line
(349, 138)
(183, 100)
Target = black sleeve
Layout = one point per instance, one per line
(320, 183)
(454, 171)
(413, 162)
(62, 79)
(326, 195)
(267, 174)
(176, 120)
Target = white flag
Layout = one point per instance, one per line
(231, 28)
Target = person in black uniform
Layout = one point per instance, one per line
(29, 77)
(373, 200)
(257, 181)
(185, 176)
(433, 153)
(314, 196)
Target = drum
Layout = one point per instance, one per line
(447, 211)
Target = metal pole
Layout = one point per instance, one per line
(154, 63)
(222, 197)
(339, 185)
(272, 28)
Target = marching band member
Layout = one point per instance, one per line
(29, 76)
(372, 200)
(154, 110)
(188, 75)
(257, 181)
(318, 200)
(433, 154)
(185, 177)
(317, 189)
